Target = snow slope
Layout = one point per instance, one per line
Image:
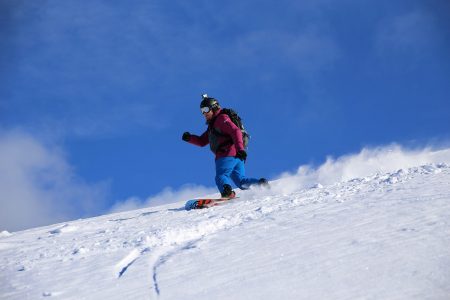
(384, 236)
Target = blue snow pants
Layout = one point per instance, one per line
(230, 169)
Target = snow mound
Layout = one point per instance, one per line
(5, 233)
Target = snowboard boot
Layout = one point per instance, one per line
(264, 183)
(228, 192)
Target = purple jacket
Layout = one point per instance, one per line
(223, 136)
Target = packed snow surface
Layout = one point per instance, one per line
(384, 236)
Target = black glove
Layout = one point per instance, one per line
(242, 155)
(186, 136)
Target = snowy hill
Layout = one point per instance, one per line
(383, 236)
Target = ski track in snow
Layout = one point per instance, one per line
(164, 256)
(154, 237)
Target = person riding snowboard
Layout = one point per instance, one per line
(226, 142)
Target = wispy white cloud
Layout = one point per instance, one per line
(92, 119)
(38, 186)
(308, 50)
(411, 34)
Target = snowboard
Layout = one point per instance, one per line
(205, 202)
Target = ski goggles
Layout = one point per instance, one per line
(205, 109)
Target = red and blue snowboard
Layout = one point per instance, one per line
(205, 202)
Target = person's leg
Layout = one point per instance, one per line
(239, 178)
(224, 168)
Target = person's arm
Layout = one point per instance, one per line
(201, 141)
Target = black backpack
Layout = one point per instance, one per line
(234, 117)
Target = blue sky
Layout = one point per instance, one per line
(103, 90)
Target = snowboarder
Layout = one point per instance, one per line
(226, 142)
